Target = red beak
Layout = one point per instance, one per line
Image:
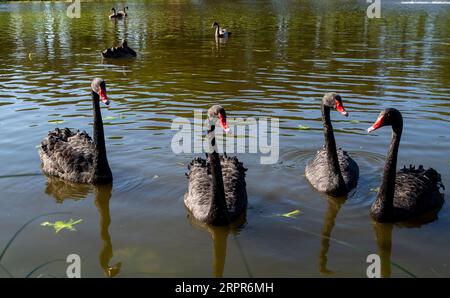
(223, 123)
(340, 108)
(377, 124)
(103, 97)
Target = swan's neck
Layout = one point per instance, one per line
(218, 212)
(102, 172)
(217, 30)
(385, 198)
(330, 147)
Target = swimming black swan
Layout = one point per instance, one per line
(332, 171)
(410, 192)
(216, 193)
(124, 11)
(73, 155)
(220, 32)
(122, 51)
(116, 15)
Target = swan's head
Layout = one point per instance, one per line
(388, 117)
(218, 112)
(113, 9)
(215, 24)
(334, 101)
(98, 86)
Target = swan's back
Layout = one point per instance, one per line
(199, 196)
(318, 172)
(68, 154)
(417, 191)
(123, 51)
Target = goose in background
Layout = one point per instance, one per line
(73, 155)
(220, 32)
(217, 189)
(123, 12)
(410, 192)
(332, 171)
(122, 51)
(116, 15)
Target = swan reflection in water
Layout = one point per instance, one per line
(334, 205)
(383, 236)
(62, 190)
(219, 236)
(382, 231)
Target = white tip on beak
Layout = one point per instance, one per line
(227, 130)
(345, 114)
(370, 129)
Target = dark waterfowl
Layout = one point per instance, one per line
(220, 32)
(123, 51)
(73, 155)
(217, 190)
(410, 192)
(123, 12)
(116, 15)
(332, 171)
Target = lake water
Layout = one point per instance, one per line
(282, 57)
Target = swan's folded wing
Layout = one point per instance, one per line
(67, 154)
(233, 172)
(417, 189)
(198, 197)
(349, 169)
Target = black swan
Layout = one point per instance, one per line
(124, 11)
(410, 192)
(332, 171)
(73, 155)
(116, 15)
(220, 32)
(216, 193)
(122, 51)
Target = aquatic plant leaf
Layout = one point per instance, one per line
(354, 121)
(304, 127)
(60, 225)
(291, 214)
(56, 121)
(110, 118)
(5, 249)
(376, 189)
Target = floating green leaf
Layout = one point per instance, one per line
(354, 121)
(110, 118)
(261, 51)
(56, 121)
(291, 214)
(376, 189)
(60, 225)
(304, 127)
